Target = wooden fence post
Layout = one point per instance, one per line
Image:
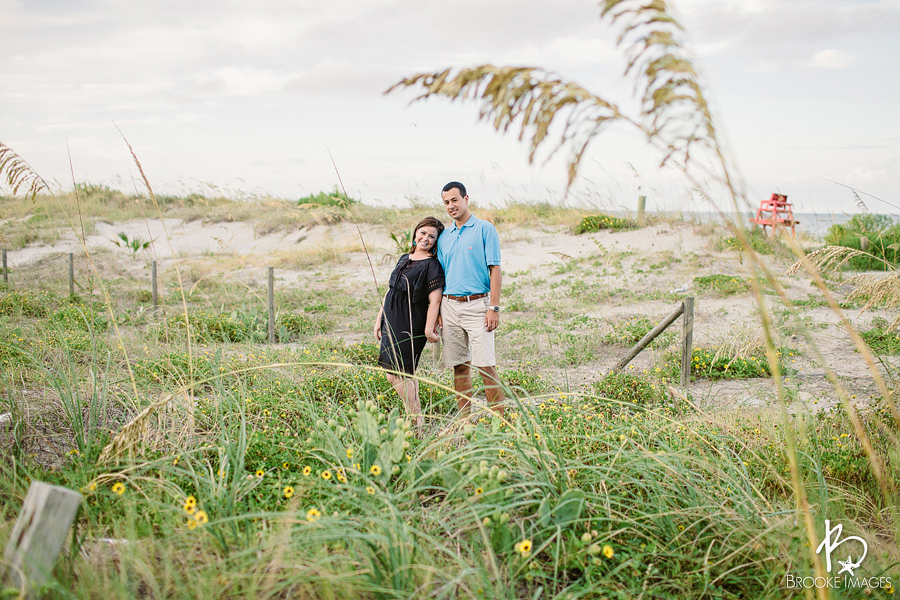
(153, 284)
(71, 274)
(642, 207)
(271, 279)
(5, 271)
(38, 535)
(649, 338)
(864, 243)
(686, 351)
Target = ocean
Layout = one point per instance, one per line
(815, 225)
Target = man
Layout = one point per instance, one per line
(469, 252)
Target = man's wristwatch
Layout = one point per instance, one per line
(496, 309)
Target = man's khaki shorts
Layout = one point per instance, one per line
(464, 334)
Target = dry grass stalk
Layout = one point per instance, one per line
(674, 113)
(829, 258)
(133, 431)
(878, 289)
(19, 173)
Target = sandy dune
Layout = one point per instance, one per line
(536, 254)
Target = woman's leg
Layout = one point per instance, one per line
(408, 390)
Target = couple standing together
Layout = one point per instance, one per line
(448, 286)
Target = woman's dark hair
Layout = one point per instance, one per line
(427, 222)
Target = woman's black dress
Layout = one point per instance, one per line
(405, 311)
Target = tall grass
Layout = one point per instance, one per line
(235, 471)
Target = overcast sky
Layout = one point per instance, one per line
(249, 97)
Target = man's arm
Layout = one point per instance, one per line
(491, 318)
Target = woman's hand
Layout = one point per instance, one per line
(432, 336)
(377, 329)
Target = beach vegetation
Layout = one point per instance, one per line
(594, 223)
(335, 198)
(883, 235)
(216, 465)
(882, 338)
(721, 284)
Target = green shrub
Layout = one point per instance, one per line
(26, 304)
(249, 325)
(759, 241)
(362, 353)
(13, 344)
(291, 326)
(236, 326)
(709, 363)
(884, 240)
(524, 380)
(881, 339)
(625, 387)
(725, 285)
(594, 223)
(332, 198)
(80, 317)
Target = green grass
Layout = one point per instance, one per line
(715, 363)
(333, 198)
(884, 241)
(593, 223)
(759, 241)
(631, 331)
(882, 339)
(724, 285)
(290, 471)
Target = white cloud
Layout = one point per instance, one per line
(831, 59)
(240, 81)
(329, 76)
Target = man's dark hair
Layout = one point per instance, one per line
(457, 185)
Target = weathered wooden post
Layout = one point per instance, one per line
(636, 349)
(5, 271)
(153, 284)
(864, 243)
(38, 535)
(642, 207)
(686, 350)
(271, 279)
(71, 274)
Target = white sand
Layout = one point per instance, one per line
(233, 251)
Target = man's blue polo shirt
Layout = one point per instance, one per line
(465, 253)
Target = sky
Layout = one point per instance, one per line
(266, 98)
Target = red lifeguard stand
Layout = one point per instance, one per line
(776, 211)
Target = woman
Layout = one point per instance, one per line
(408, 315)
